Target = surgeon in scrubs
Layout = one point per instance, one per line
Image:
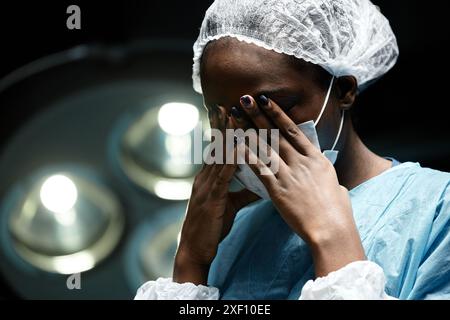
(336, 221)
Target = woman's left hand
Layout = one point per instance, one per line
(306, 191)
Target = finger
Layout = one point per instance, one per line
(240, 118)
(222, 178)
(203, 178)
(258, 146)
(258, 117)
(225, 175)
(262, 171)
(261, 120)
(205, 168)
(288, 128)
(207, 164)
(210, 166)
(268, 156)
(229, 147)
(210, 159)
(234, 121)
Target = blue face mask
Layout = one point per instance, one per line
(250, 180)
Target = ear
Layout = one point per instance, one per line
(346, 90)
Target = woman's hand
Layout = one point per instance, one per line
(306, 190)
(209, 218)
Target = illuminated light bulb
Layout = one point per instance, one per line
(176, 190)
(178, 118)
(59, 194)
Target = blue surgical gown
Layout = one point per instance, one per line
(403, 218)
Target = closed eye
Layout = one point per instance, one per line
(286, 103)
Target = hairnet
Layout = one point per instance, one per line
(345, 37)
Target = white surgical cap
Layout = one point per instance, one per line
(345, 37)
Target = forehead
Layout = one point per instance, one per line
(229, 65)
(231, 58)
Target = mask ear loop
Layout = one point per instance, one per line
(323, 110)
(339, 131)
(325, 103)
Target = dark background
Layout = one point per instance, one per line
(407, 109)
(404, 115)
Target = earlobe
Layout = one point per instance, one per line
(347, 88)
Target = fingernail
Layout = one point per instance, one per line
(236, 113)
(263, 100)
(246, 101)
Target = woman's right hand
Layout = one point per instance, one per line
(209, 218)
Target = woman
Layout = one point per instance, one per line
(277, 64)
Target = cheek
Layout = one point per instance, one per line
(309, 109)
(328, 126)
(300, 114)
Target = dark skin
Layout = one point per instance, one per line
(296, 90)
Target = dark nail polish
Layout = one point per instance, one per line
(246, 101)
(235, 112)
(263, 100)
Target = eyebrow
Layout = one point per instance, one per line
(281, 91)
(276, 91)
